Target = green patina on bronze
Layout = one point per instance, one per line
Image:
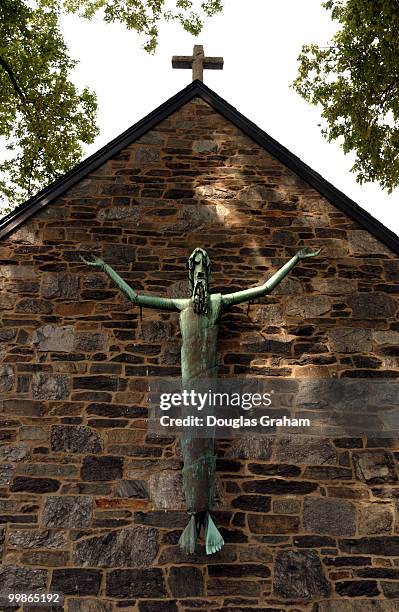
(199, 318)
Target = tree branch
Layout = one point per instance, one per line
(13, 79)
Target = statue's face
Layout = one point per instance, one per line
(199, 272)
(199, 269)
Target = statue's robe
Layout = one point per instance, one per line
(199, 360)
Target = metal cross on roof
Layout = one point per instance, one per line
(197, 62)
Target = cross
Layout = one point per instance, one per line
(197, 62)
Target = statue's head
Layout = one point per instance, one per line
(199, 274)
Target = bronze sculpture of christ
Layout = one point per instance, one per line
(199, 324)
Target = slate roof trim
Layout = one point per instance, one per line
(197, 89)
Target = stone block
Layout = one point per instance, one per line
(108, 467)
(220, 587)
(173, 555)
(375, 466)
(327, 472)
(166, 490)
(391, 590)
(136, 547)
(186, 582)
(15, 579)
(89, 342)
(259, 523)
(375, 519)
(119, 213)
(89, 605)
(363, 243)
(382, 546)
(350, 340)
(7, 378)
(30, 432)
(22, 407)
(162, 519)
(194, 217)
(155, 331)
(279, 486)
(204, 146)
(305, 450)
(287, 506)
(308, 306)
(25, 234)
(56, 285)
(255, 552)
(372, 305)
(34, 485)
(34, 306)
(357, 588)
(54, 338)
(252, 503)
(125, 436)
(298, 575)
(214, 193)
(361, 605)
(386, 337)
(250, 447)
(75, 439)
(329, 516)
(271, 345)
(50, 386)
(114, 253)
(23, 538)
(271, 314)
(334, 286)
(6, 335)
(14, 452)
(47, 558)
(146, 155)
(238, 571)
(152, 138)
(72, 581)
(67, 511)
(261, 193)
(17, 272)
(158, 606)
(131, 488)
(6, 301)
(6, 473)
(131, 583)
(334, 248)
(274, 469)
(51, 470)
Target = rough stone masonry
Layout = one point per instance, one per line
(90, 504)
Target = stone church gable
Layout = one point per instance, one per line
(90, 503)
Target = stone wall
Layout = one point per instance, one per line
(90, 503)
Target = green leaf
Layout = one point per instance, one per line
(355, 81)
(44, 119)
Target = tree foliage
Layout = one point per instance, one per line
(356, 81)
(144, 16)
(44, 119)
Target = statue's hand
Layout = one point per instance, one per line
(306, 252)
(95, 261)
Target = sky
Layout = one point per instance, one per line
(260, 41)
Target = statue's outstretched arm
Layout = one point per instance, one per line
(148, 301)
(255, 292)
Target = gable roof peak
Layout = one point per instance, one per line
(198, 89)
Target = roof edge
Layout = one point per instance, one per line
(197, 88)
(313, 178)
(41, 199)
